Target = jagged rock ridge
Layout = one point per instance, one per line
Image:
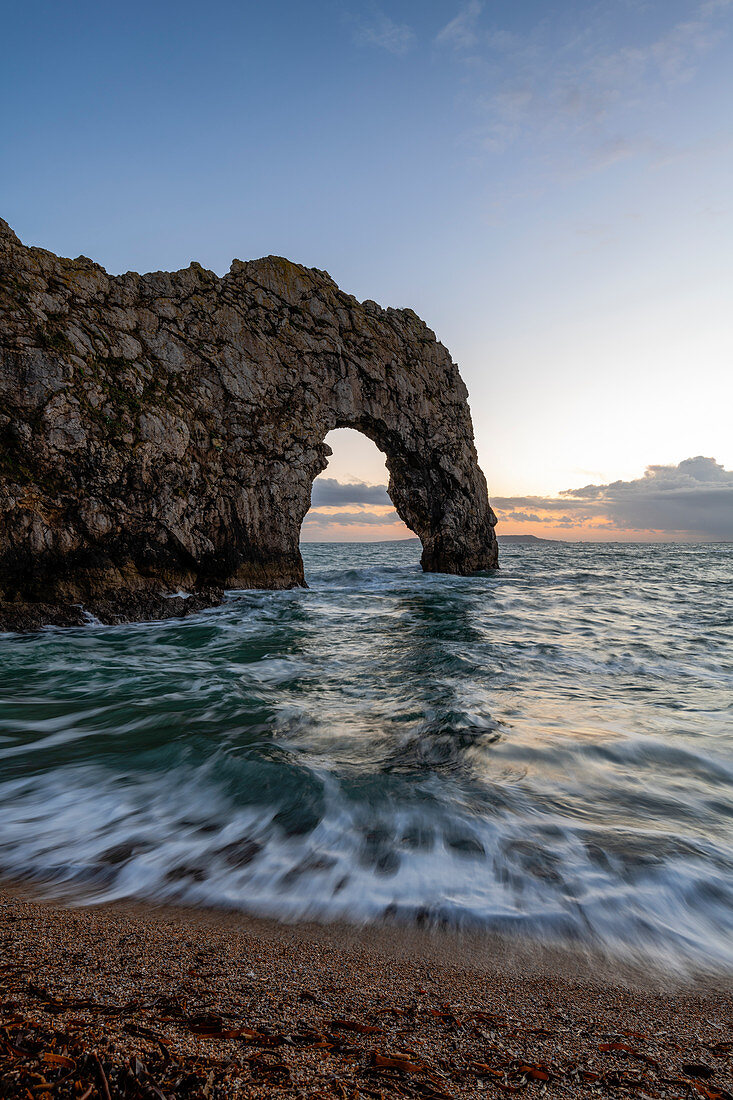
(162, 432)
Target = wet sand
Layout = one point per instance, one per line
(133, 1000)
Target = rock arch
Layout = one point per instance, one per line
(162, 431)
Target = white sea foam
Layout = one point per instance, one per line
(546, 751)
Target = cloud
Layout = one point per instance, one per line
(597, 88)
(383, 32)
(460, 33)
(350, 519)
(712, 7)
(611, 152)
(329, 491)
(522, 517)
(692, 499)
(671, 57)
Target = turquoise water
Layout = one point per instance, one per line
(547, 751)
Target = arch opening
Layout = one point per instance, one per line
(350, 499)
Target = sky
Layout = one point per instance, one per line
(546, 182)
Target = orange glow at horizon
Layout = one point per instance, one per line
(589, 531)
(396, 530)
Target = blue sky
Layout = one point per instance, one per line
(547, 183)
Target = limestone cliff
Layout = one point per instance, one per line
(162, 432)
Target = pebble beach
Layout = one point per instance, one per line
(129, 1000)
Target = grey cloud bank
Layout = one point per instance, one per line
(694, 498)
(329, 491)
(691, 499)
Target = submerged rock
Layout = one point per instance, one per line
(160, 433)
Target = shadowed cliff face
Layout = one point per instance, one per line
(162, 432)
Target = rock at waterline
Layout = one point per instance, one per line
(160, 433)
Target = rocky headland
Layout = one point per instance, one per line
(160, 433)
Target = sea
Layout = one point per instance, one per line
(544, 752)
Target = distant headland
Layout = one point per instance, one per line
(528, 540)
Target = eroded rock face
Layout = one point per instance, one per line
(162, 432)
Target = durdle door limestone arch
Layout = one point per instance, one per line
(161, 432)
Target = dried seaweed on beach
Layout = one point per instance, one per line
(230, 1009)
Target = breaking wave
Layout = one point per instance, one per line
(545, 752)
